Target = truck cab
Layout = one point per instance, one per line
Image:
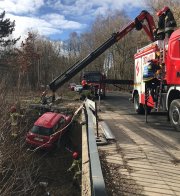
(173, 59)
(96, 80)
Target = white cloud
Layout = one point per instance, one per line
(60, 22)
(21, 6)
(81, 7)
(27, 16)
(47, 25)
(24, 23)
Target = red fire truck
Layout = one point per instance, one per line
(96, 80)
(168, 92)
(167, 51)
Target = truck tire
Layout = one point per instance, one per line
(139, 108)
(174, 114)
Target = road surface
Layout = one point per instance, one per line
(145, 158)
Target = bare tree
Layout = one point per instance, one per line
(174, 5)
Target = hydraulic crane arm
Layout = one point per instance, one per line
(138, 23)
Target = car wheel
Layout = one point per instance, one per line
(139, 108)
(174, 114)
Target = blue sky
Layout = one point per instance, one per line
(56, 19)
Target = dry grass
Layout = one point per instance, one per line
(21, 169)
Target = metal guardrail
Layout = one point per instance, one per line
(97, 180)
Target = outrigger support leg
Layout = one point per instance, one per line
(146, 100)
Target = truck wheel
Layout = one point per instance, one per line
(174, 114)
(139, 108)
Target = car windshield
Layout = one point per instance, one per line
(41, 130)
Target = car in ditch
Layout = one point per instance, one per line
(47, 130)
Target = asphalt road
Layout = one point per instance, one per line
(145, 158)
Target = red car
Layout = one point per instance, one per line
(48, 129)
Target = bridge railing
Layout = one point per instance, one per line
(96, 176)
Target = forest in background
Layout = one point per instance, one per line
(37, 61)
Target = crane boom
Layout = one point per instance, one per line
(138, 23)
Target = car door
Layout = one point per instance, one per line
(62, 123)
(55, 136)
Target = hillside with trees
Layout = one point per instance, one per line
(38, 60)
